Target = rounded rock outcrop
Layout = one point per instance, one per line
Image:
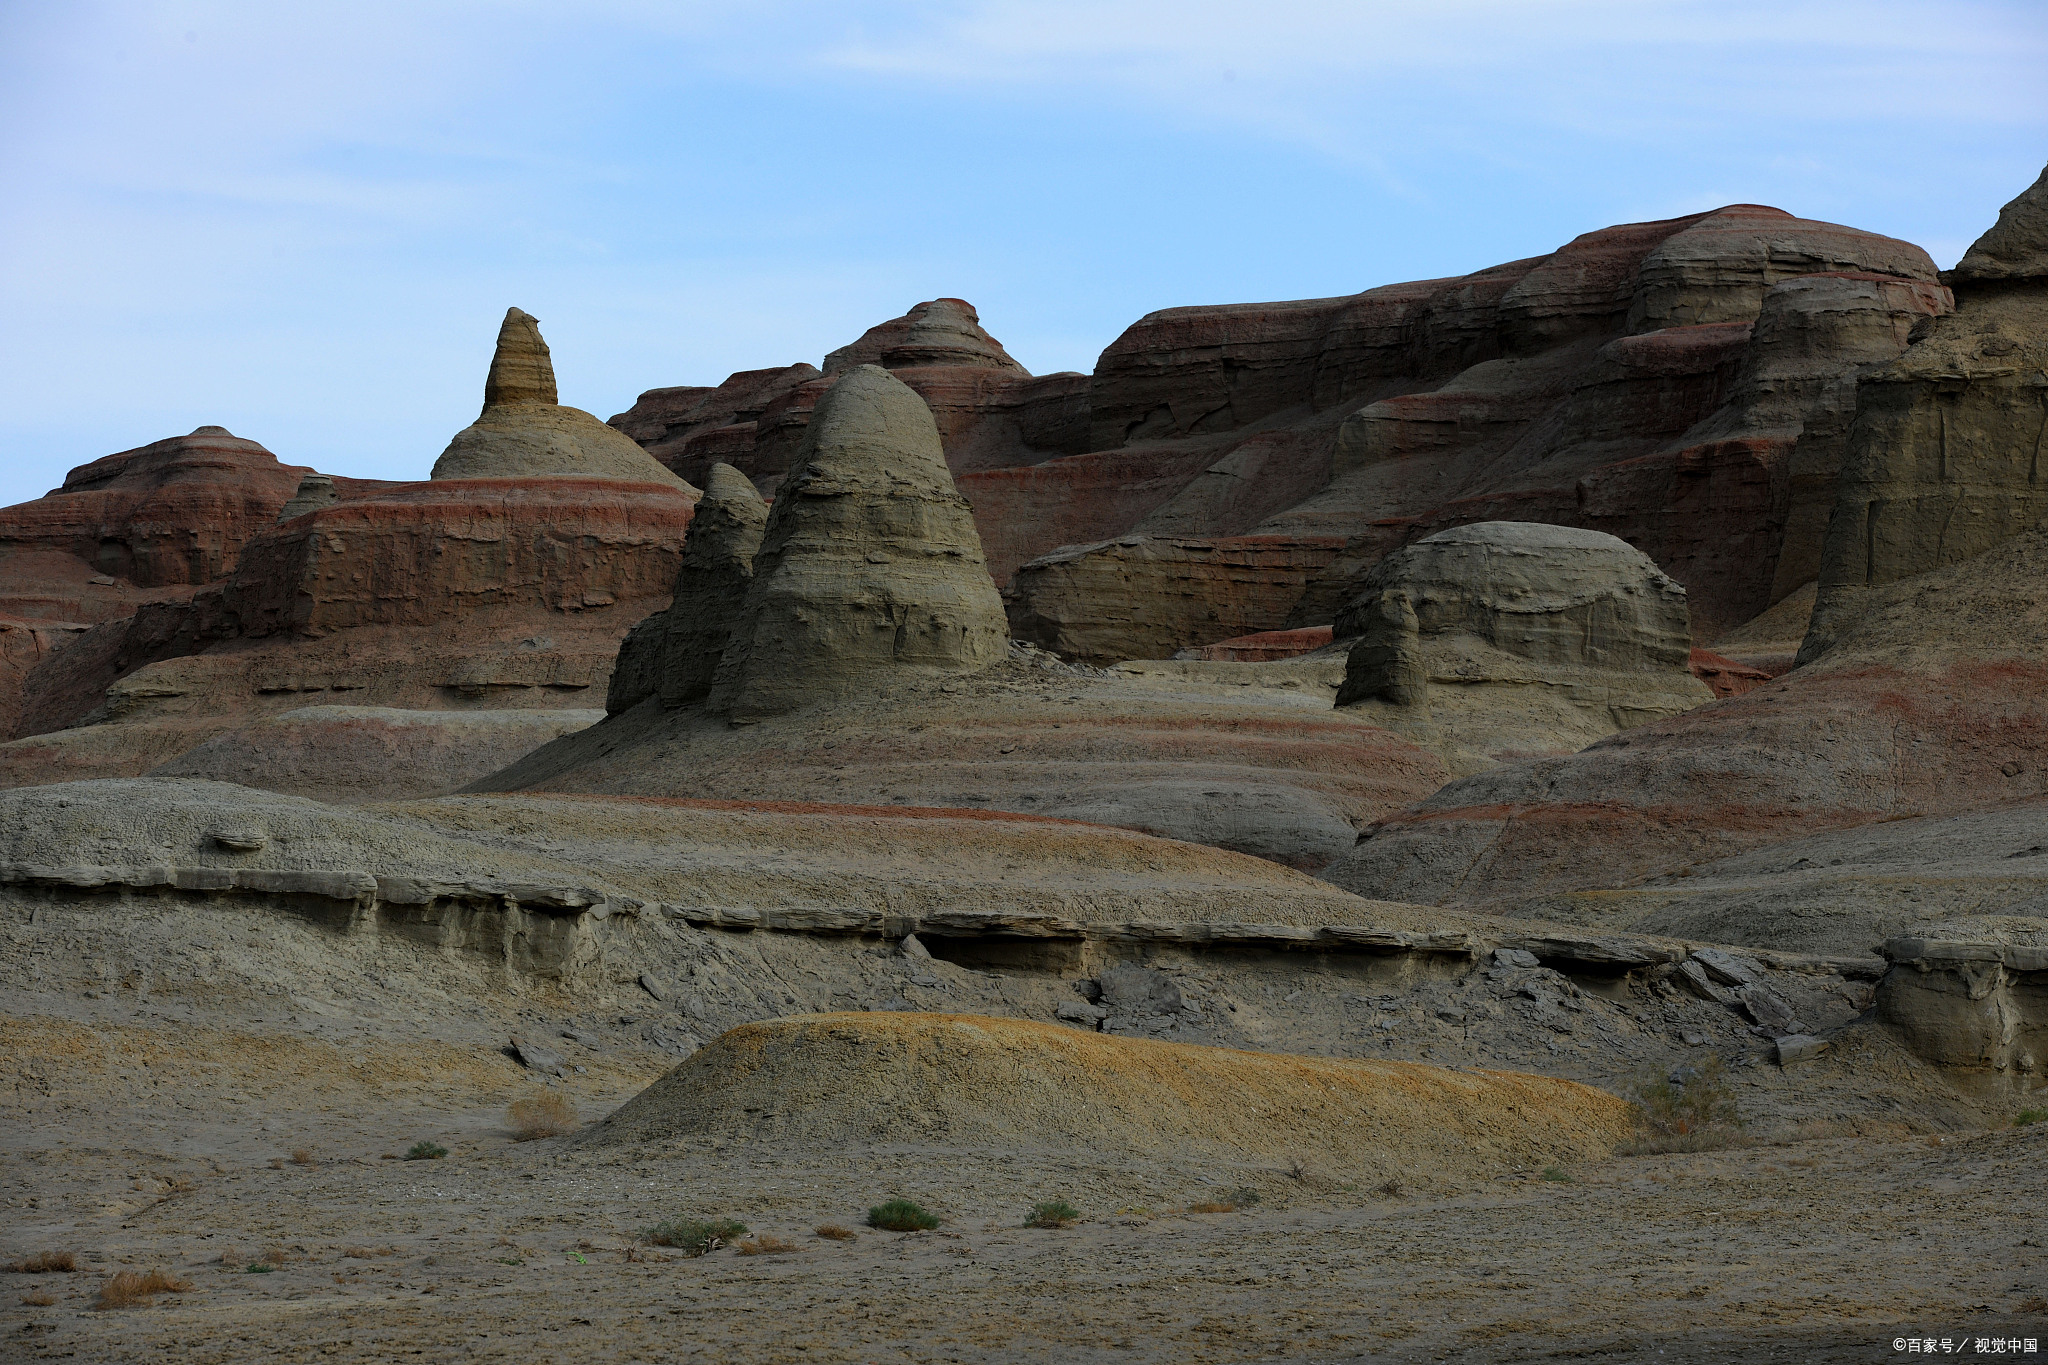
(870, 561)
(1540, 594)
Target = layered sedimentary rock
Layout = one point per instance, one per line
(129, 531)
(1944, 456)
(1973, 994)
(1265, 646)
(523, 432)
(869, 562)
(1638, 370)
(1932, 705)
(372, 753)
(990, 411)
(1145, 597)
(468, 592)
(1505, 637)
(674, 654)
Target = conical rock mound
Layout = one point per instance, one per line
(675, 653)
(2016, 247)
(523, 433)
(870, 562)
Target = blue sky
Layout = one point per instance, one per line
(303, 222)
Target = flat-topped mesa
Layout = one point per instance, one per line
(674, 653)
(1943, 459)
(870, 564)
(524, 433)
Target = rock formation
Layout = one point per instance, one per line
(1703, 364)
(674, 654)
(505, 583)
(869, 562)
(1143, 597)
(1945, 454)
(1507, 627)
(990, 411)
(524, 433)
(1972, 994)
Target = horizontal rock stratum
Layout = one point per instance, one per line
(966, 1081)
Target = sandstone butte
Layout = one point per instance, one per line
(1445, 710)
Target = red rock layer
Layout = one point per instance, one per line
(1264, 647)
(1727, 677)
(1148, 597)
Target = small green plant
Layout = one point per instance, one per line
(901, 1215)
(693, 1236)
(259, 1268)
(1559, 1174)
(2027, 1116)
(425, 1151)
(1052, 1213)
(1244, 1196)
(1689, 1110)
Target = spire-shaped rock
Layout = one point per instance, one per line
(522, 371)
(523, 433)
(675, 653)
(870, 563)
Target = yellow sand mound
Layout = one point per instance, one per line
(826, 1081)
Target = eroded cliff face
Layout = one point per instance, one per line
(1655, 381)
(1944, 457)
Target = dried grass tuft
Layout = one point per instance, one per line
(39, 1298)
(129, 1288)
(45, 1262)
(766, 1244)
(542, 1116)
(832, 1232)
(304, 1156)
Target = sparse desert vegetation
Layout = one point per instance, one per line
(546, 1115)
(44, 1263)
(1052, 1213)
(901, 1215)
(130, 1288)
(694, 1236)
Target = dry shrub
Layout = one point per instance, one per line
(542, 1116)
(39, 1298)
(45, 1262)
(303, 1156)
(1693, 1113)
(832, 1232)
(767, 1244)
(1052, 1213)
(129, 1288)
(276, 1256)
(1213, 1206)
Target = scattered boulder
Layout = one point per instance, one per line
(869, 562)
(524, 433)
(674, 654)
